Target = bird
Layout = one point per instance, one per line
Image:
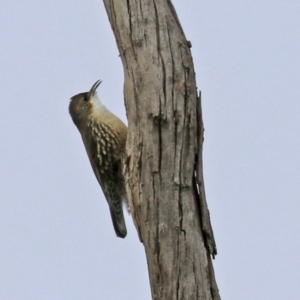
(104, 137)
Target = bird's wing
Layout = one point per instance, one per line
(107, 171)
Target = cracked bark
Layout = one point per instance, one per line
(163, 163)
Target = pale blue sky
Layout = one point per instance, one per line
(56, 237)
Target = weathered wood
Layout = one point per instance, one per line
(204, 212)
(163, 144)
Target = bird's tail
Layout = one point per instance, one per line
(118, 222)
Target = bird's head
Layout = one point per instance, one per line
(83, 104)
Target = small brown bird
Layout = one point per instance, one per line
(104, 137)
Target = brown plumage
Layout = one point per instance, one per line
(104, 137)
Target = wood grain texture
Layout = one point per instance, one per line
(163, 163)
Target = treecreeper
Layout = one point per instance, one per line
(104, 137)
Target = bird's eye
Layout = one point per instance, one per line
(85, 98)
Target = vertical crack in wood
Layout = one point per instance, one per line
(205, 217)
(129, 14)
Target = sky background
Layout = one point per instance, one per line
(56, 237)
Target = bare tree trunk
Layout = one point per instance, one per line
(163, 165)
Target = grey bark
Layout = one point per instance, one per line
(163, 163)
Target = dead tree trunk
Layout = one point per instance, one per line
(163, 164)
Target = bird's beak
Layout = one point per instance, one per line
(94, 88)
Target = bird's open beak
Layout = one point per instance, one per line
(94, 88)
